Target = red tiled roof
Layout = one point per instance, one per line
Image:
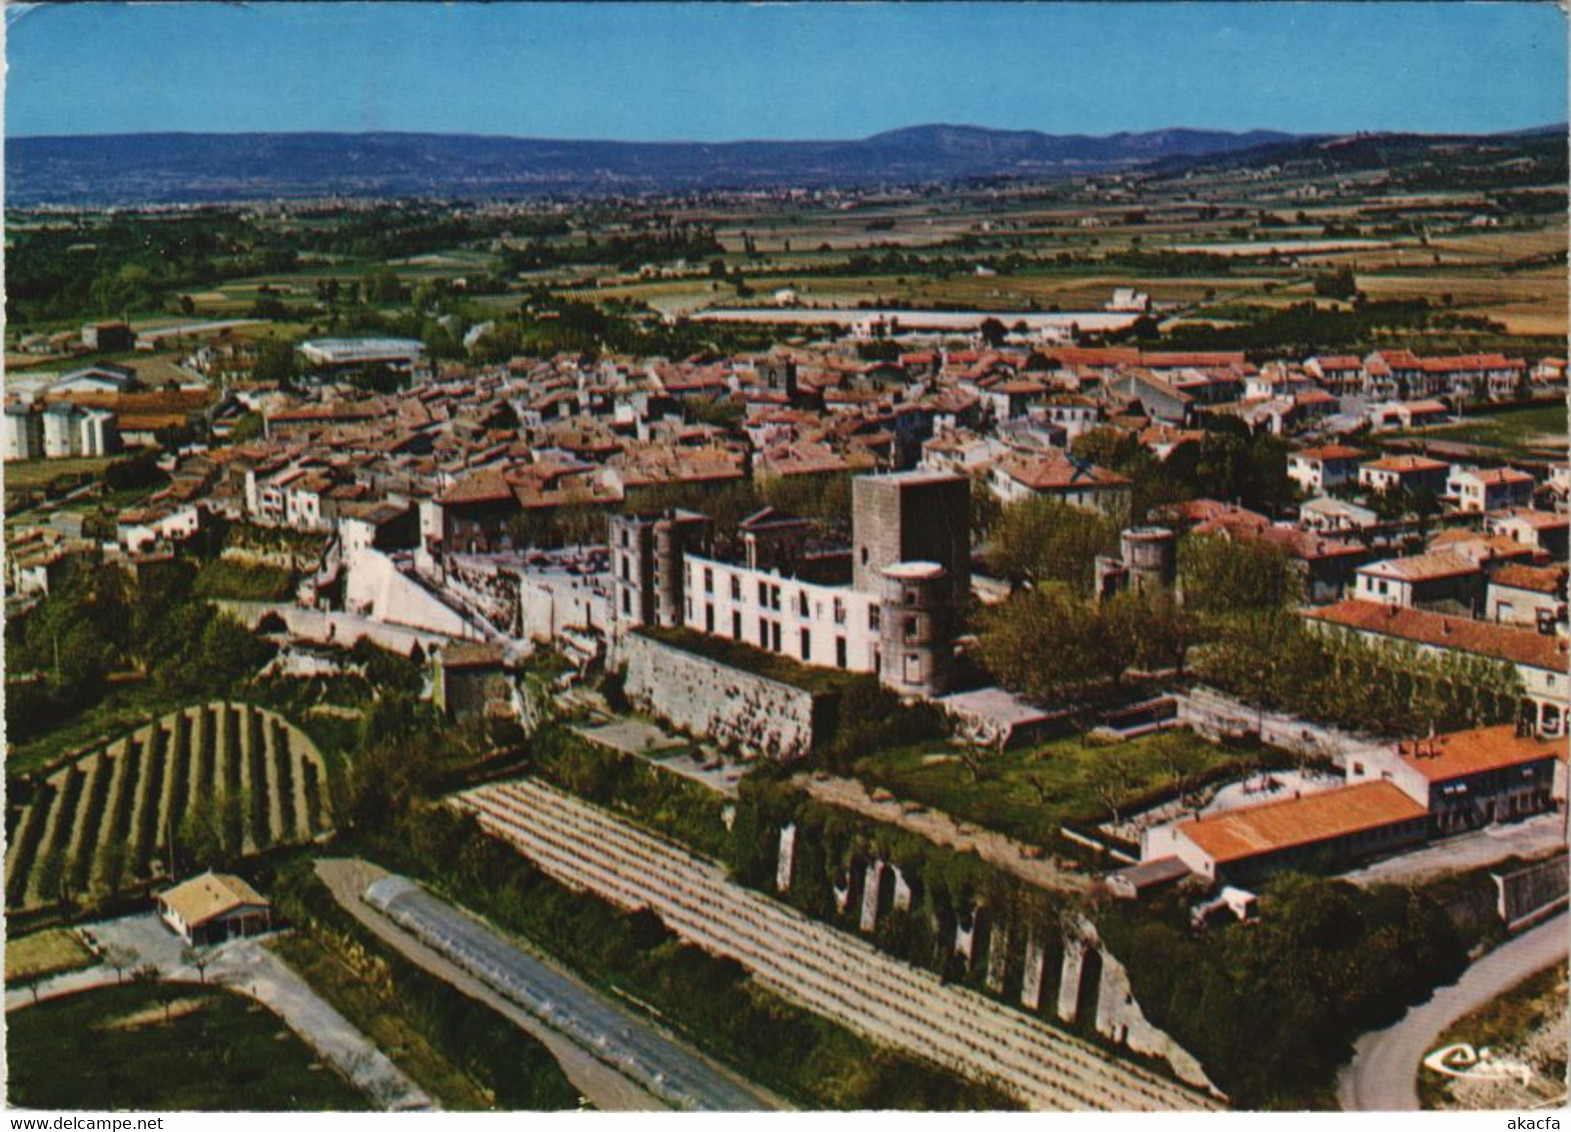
(484, 486)
(1329, 452)
(1250, 831)
(1463, 753)
(1407, 464)
(1536, 579)
(1481, 638)
(1423, 567)
(1488, 476)
(1172, 360)
(1054, 471)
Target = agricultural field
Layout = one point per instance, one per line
(161, 1047)
(37, 956)
(1514, 432)
(1029, 793)
(217, 780)
(25, 475)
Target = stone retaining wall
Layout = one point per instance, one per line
(705, 697)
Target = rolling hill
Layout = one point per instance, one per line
(189, 168)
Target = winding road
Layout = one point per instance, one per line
(1383, 1075)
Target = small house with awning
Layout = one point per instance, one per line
(214, 907)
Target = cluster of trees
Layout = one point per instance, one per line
(100, 620)
(1271, 1008)
(127, 264)
(1228, 463)
(1303, 329)
(1236, 628)
(669, 242)
(1053, 645)
(1042, 540)
(545, 325)
(398, 231)
(1341, 284)
(869, 717)
(1274, 659)
(676, 806)
(1055, 641)
(1223, 578)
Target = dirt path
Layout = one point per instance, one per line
(941, 829)
(607, 1089)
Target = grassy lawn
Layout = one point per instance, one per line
(42, 954)
(1537, 1003)
(26, 475)
(378, 1019)
(1514, 431)
(227, 578)
(150, 1047)
(1029, 793)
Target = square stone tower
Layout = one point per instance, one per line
(917, 516)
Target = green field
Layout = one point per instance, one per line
(42, 954)
(27, 475)
(153, 1047)
(1516, 432)
(1031, 792)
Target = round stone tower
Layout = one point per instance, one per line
(915, 635)
(1151, 558)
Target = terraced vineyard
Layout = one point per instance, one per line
(246, 775)
(827, 970)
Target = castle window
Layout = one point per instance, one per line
(709, 580)
(736, 588)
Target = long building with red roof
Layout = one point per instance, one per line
(1540, 659)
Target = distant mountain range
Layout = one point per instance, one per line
(185, 168)
(1533, 154)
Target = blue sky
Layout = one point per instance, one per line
(728, 71)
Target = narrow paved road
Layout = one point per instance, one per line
(1383, 1075)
